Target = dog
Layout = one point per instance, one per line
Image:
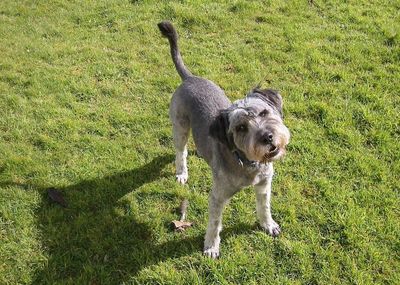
(239, 141)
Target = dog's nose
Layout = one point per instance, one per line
(267, 138)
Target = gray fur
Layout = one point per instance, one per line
(239, 141)
(168, 31)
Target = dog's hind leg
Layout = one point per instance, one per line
(181, 128)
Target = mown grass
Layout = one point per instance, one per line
(85, 89)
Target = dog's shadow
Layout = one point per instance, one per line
(90, 243)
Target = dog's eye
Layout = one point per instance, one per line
(241, 128)
(263, 113)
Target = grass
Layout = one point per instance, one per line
(85, 89)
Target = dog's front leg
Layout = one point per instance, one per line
(216, 205)
(263, 200)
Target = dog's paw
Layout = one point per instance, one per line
(212, 252)
(272, 228)
(182, 178)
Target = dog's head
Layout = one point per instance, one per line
(254, 126)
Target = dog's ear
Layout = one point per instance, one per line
(219, 128)
(272, 97)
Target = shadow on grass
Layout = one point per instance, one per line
(90, 243)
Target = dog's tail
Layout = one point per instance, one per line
(168, 31)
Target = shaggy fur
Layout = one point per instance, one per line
(239, 141)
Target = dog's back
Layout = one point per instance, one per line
(199, 100)
(196, 101)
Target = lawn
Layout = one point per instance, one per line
(84, 95)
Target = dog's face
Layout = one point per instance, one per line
(254, 125)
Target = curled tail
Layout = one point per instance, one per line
(168, 31)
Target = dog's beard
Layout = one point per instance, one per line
(255, 151)
(265, 159)
(272, 155)
(266, 153)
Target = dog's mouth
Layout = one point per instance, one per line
(271, 154)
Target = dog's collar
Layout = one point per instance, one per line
(243, 160)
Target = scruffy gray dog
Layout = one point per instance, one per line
(239, 141)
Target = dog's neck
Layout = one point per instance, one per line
(243, 160)
(239, 156)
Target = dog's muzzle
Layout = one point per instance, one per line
(272, 150)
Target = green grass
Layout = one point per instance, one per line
(84, 94)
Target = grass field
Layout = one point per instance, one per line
(84, 95)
